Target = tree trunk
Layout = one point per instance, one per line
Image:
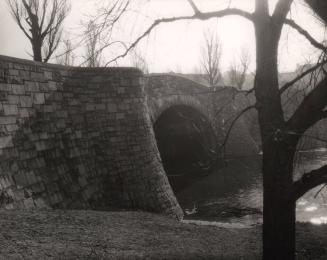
(278, 228)
(37, 50)
(278, 151)
(279, 206)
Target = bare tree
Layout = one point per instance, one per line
(99, 29)
(138, 60)
(41, 21)
(93, 54)
(210, 57)
(280, 136)
(237, 72)
(67, 58)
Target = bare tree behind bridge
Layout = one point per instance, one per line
(238, 70)
(41, 21)
(210, 58)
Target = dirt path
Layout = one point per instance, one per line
(133, 235)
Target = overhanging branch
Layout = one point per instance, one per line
(306, 34)
(300, 76)
(196, 16)
(311, 108)
(310, 180)
(234, 121)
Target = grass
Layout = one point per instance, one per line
(75, 234)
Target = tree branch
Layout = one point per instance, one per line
(197, 16)
(281, 10)
(310, 180)
(306, 34)
(311, 108)
(233, 123)
(302, 75)
(194, 7)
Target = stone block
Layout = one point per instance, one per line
(5, 120)
(25, 74)
(48, 75)
(23, 112)
(38, 98)
(21, 179)
(90, 107)
(123, 107)
(29, 203)
(5, 87)
(13, 72)
(9, 206)
(12, 128)
(37, 75)
(121, 90)
(62, 114)
(61, 123)
(41, 146)
(112, 108)
(25, 101)
(57, 96)
(48, 109)
(39, 203)
(18, 89)
(120, 116)
(125, 82)
(44, 136)
(5, 182)
(32, 86)
(100, 107)
(13, 99)
(10, 109)
(56, 198)
(52, 85)
(3, 96)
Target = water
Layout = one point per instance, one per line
(233, 195)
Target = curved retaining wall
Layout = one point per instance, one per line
(78, 138)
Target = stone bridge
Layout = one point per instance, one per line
(81, 138)
(209, 110)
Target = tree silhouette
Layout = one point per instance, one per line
(41, 22)
(280, 134)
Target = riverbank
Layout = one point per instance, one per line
(134, 235)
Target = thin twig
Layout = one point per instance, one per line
(302, 75)
(234, 121)
(197, 16)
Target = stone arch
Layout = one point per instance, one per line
(158, 105)
(186, 140)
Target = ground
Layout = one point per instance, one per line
(61, 234)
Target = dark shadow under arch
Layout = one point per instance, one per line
(186, 142)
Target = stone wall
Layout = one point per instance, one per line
(78, 138)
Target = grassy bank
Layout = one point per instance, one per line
(134, 235)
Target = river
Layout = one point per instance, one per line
(233, 195)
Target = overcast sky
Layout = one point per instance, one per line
(176, 46)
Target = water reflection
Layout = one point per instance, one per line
(319, 221)
(234, 194)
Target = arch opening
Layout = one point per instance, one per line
(187, 144)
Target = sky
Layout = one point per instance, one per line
(177, 46)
